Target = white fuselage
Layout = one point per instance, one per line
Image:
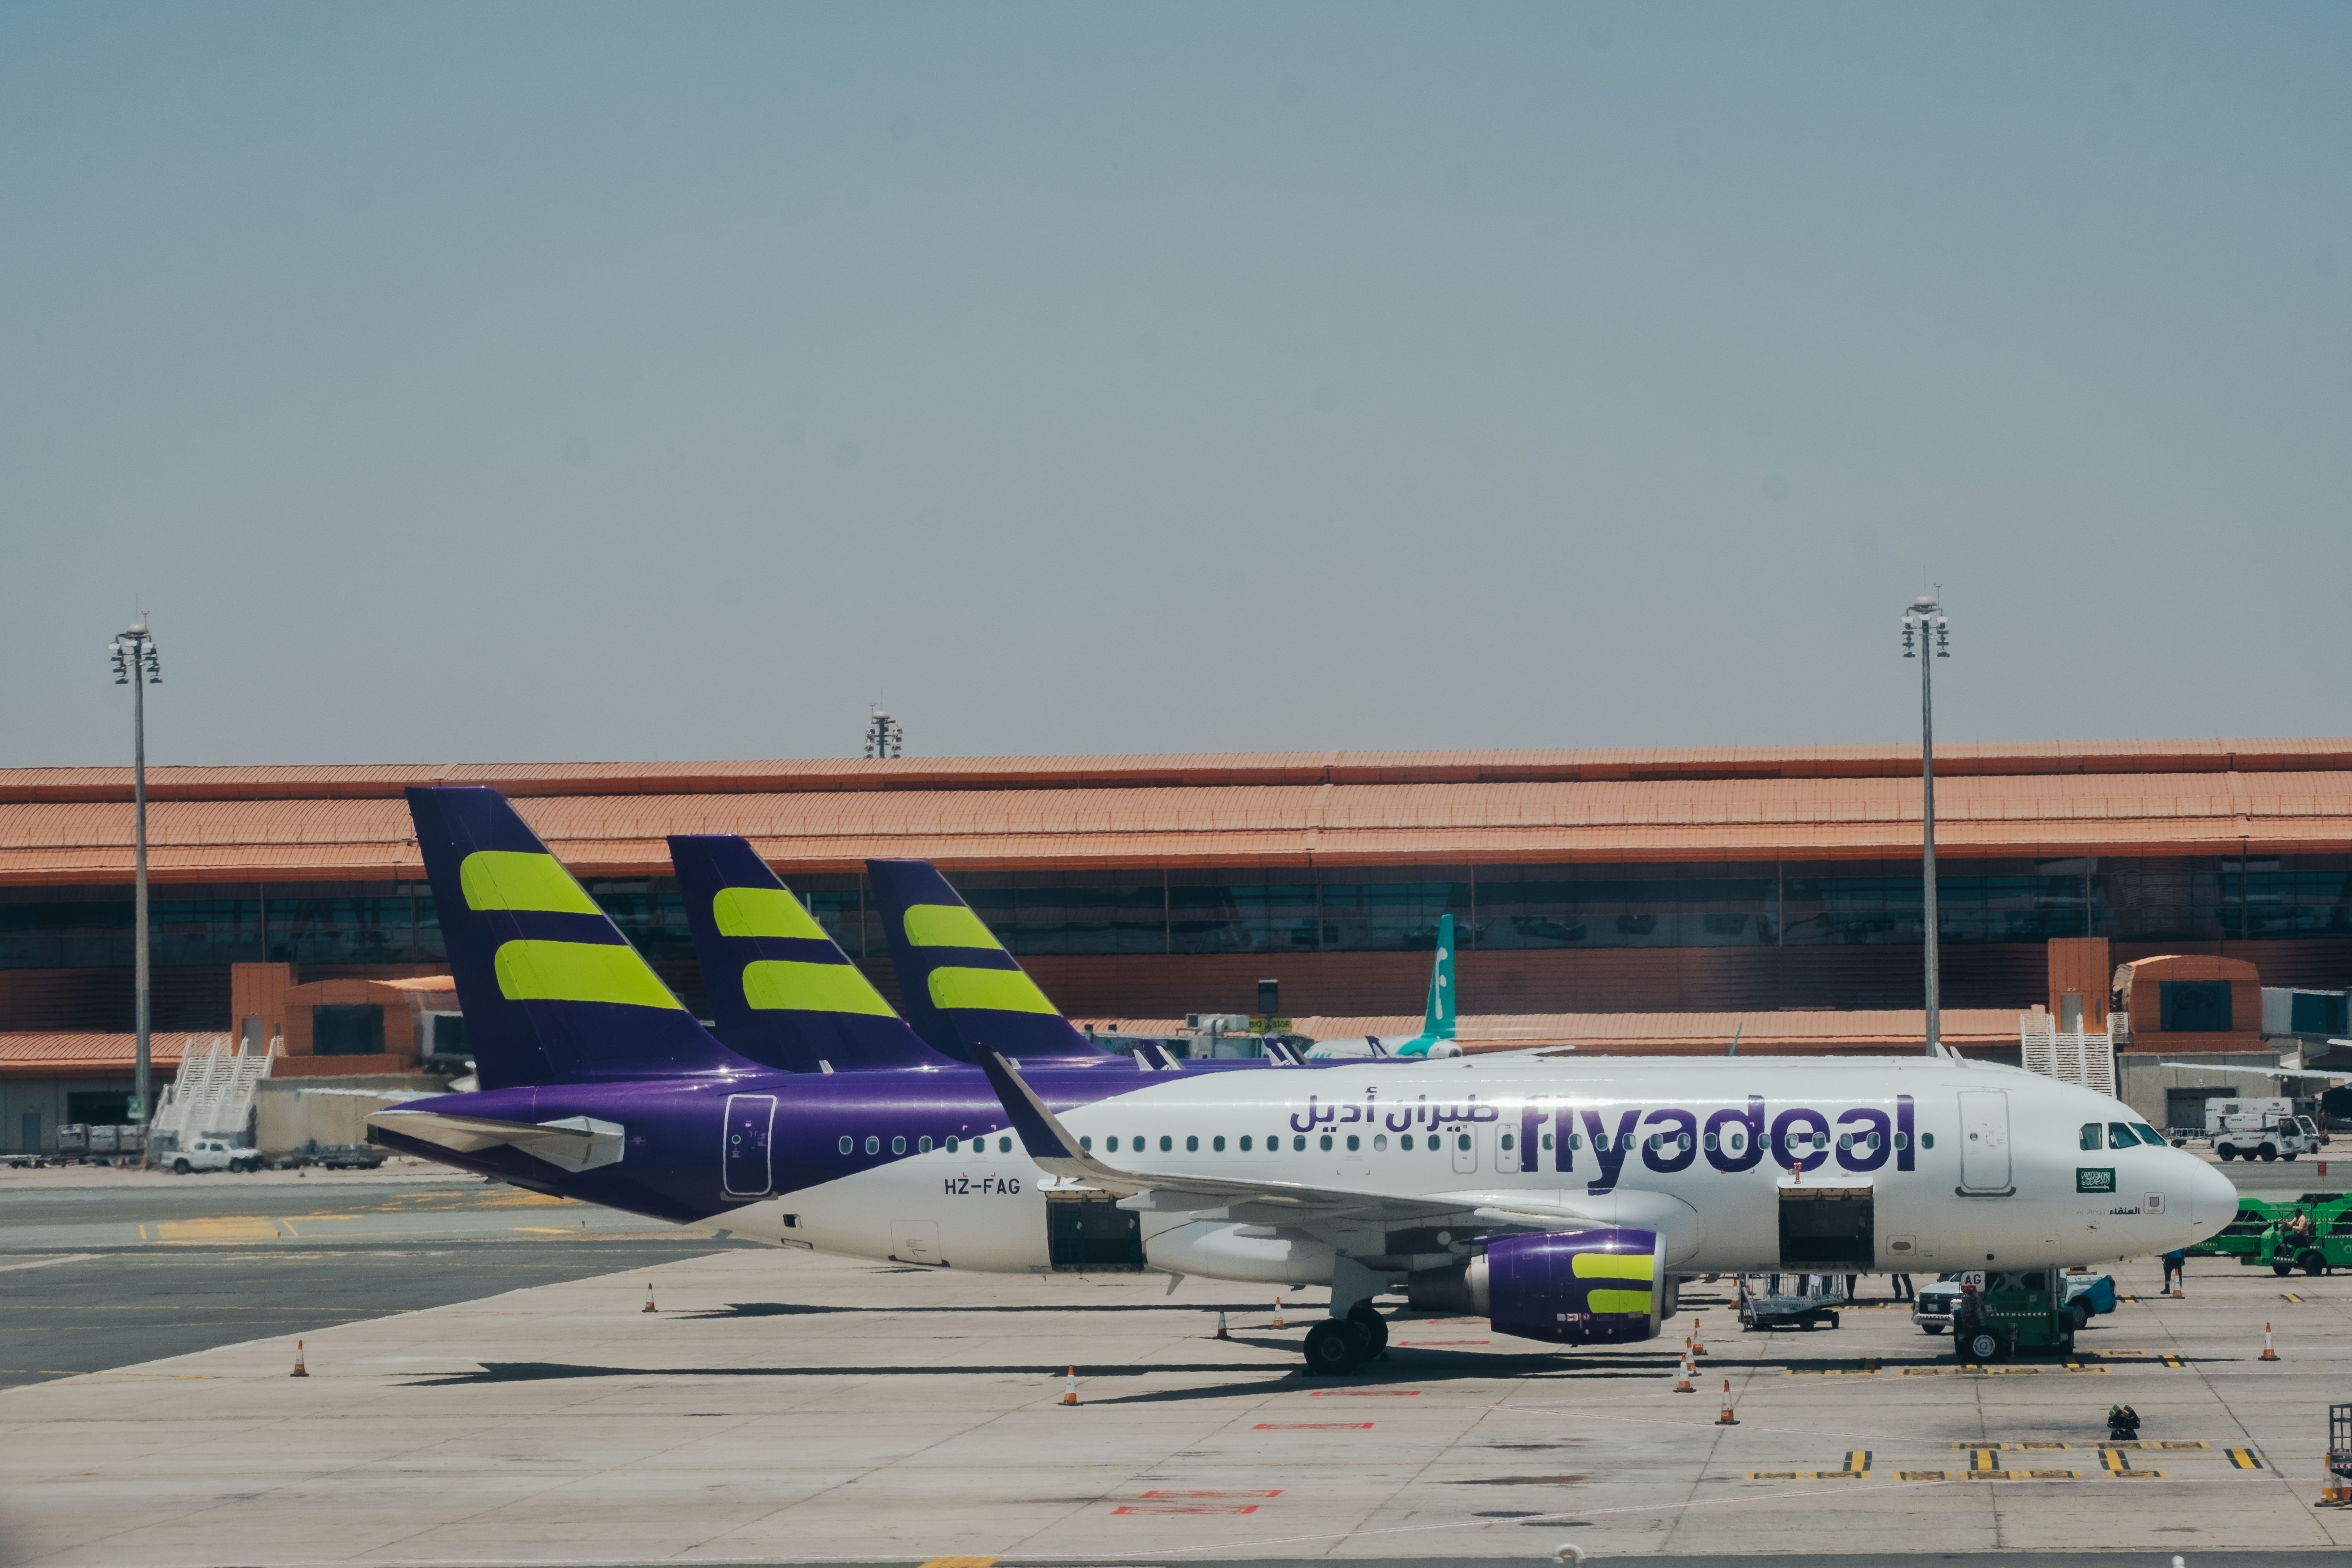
(1951, 1165)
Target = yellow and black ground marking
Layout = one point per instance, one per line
(2290, 1296)
(1809, 1474)
(2117, 1464)
(2172, 1361)
(2243, 1459)
(1984, 1448)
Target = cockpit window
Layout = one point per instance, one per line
(2148, 1135)
(2120, 1135)
(2090, 1135)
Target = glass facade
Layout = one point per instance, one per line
(1337, 909)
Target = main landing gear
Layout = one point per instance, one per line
(1337, 1346)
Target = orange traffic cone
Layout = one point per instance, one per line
(649, 1298)
(1727, 1418)
(1277, 1313)
(1070, 1387)
(1697, 1347)
(2269, 1352)
(299, 1370)
(1220, 1327)
(1683, 1378)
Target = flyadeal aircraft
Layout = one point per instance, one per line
(1561, 1197)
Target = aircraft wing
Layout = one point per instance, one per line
(1056, 1151)
(572, 1143)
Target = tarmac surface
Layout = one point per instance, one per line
(783, 1407)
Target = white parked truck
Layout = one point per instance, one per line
(210, 1153)
(2265, 1135)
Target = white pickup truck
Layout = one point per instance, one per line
(215, 1154)
(2268, 1136)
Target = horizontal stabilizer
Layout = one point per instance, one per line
(572, 1143)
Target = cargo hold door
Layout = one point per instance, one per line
(1984, 1142)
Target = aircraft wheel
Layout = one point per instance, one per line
(1375, 1327)
(1332, 1349)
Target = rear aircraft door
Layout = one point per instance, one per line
(1465, 1149)
(1984, 1141)
(751, 1123)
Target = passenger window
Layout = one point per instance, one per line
(1192, 1143)
(1926, 1140)
(1111, 1143)
(1085, 1142)
(1738, 1142)
(1274, 1144)
(1575, 1141)
(1820, 1140)
(1004, 1145)
(874, 1145)
(925, 1146)
(1354, 1143)
(2119, 1136)
(1327, 1142)
(952, 1145)
(1380, 1141)
(1903, 1139)
(1508, 1142)
(1600, 1141)
(1710, 1143)
(1167, 1144)
(2090, 1134)
(845, 1144)
(898, 1145)
(1245, 1143)
(1298, 1144)
(1218, 1143)
(1461, 1139)
(1405, 1142)
(1547, 1140)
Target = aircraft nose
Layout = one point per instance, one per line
(2214, 1197)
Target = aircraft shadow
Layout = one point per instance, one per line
(796, 1309)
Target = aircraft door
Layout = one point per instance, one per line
(751, 1124)
(1984, 1141)
(1506, 1144)
(1464, 1139)
(915, 1241)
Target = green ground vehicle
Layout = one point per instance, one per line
(2011, 1310)
(2263, 1233)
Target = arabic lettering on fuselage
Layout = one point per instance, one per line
(1732, 1139)
(1395, 1118)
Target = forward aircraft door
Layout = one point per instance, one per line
(1465, 1149)
(1984, 1141)
(751, 1123)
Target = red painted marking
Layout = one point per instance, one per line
(1312, 1426)
(1272, 1491)
(1364, 1394)
(1164, 1508)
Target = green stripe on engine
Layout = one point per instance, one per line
(763, 911)
(947, 925)
(1610, 1266)
(988, 991)
(776, 985)
(1619, 1301)
(579, 972)
(512, 879)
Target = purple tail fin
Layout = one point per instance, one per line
(552, 992)
(781, 991)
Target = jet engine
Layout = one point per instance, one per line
(1575, 1288)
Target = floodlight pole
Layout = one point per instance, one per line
(1925, 622)
(135, 665)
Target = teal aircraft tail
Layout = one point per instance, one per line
(1437, 1018)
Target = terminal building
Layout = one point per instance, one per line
(1617, 900)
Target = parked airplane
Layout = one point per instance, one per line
(1561, 1197)
(1437, 1036)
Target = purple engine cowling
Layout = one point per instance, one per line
(1583, 1287)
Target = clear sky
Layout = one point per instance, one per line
(573, 381)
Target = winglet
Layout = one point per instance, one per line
(1042, 1136)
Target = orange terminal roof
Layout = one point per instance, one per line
(2054, 800)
